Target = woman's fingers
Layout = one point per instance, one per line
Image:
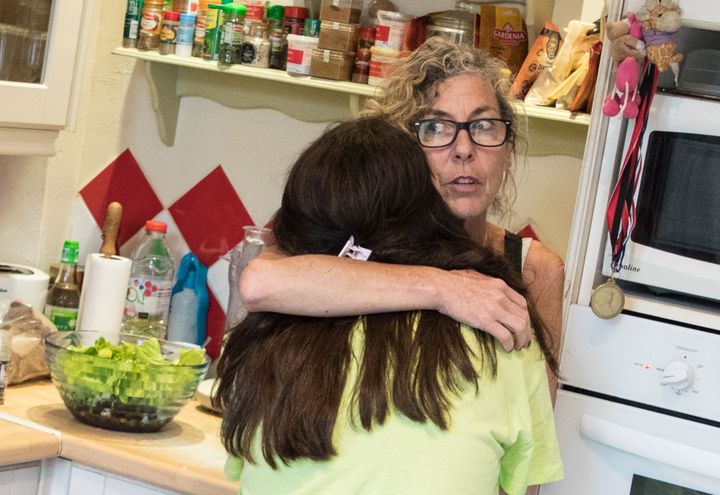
(488, 304)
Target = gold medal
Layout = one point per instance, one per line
(607, 300)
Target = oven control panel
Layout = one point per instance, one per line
(654, 363)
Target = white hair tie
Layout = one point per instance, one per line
(353, 251)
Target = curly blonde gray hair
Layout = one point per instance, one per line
(409, 93)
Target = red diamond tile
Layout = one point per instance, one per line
(122, 181)
(215, 326)
(211, 217)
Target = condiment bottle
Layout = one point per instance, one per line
(256, 50)
(169, 32)
(274, 15)
(63, 298)
(150, 285)
(184, 44)
(278, 49)
(232, 38)
(150, 25)
(213, 30)
(132, 22)
(200, 21)
(361, 68)
(294, 20)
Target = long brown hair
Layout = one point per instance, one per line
(282, 377)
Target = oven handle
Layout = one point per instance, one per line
(651, 447)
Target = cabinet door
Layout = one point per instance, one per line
(38, 45)
(20, 480)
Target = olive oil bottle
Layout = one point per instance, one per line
(63, 297)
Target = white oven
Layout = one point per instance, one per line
(641, 413)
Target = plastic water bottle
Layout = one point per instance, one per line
(252, 244)
(150, 285)
(183, 317)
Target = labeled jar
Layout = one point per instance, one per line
(361, 65)
(278, 49)
(169, 32)
(232, 37)
(256, 49)
(213, 31)
(382, 63)
(391, 28)
(186, 30)
(200, 21)
(150, 25)
(274, 16)
(294, 20)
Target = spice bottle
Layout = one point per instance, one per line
(294, 20)
(200, 20)
(63, 298)
(278, 49)
(274, 15)
(256, 49)
(150, 25)
(213, 30)
(132, 22)
(232, 38)
(184, 44)
(361, 67)
(169, 32)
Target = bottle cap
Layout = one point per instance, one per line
(155, 226)
(69, 254)
(296, 12)
(275, 12)
(171, 15)
(237, 9)
(367, 33)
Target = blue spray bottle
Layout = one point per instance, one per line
(189, 303)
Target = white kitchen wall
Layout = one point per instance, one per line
(254, 147)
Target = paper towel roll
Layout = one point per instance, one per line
(102, 300)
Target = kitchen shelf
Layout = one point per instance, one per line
(306, 98)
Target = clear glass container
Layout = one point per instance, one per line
(23, 39)
(456, 26)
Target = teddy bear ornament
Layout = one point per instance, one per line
(650, 33)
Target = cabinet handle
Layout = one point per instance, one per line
(651, 447)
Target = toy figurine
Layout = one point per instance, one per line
(660, 22)
(626, 47)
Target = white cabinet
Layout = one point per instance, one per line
(64, 477)
(32, 113)
(20, 480)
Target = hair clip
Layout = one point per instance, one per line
(353, 251)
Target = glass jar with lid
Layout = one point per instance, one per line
(456, 26)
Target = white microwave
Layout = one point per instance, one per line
(675, 243)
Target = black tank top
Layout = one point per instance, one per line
(513, 251)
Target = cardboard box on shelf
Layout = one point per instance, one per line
(331, 64)
(338, 36)
(347, 11)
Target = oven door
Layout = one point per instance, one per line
(610, 448)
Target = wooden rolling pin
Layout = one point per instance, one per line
(110, 229)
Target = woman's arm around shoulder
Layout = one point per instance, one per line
(319, 285)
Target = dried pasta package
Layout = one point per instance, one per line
(503, 34)
(573, 55)
(542, 56)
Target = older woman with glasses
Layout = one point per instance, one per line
(453, 98)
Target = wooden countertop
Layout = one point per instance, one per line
(185, 456)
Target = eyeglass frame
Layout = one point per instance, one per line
(459, 126)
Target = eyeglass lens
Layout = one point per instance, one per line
(440, 132)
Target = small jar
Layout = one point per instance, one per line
(232, 37)
(150, 25)
(169, 32)
(278, 49)
(311, 27)
(256, 49)
(361, 67)
(294, 20)
(186, 30)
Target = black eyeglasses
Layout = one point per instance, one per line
(436, 133)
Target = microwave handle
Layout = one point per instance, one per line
(650, 447)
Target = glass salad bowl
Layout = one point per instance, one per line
(137, 384)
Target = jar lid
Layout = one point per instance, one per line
(171, 15)
(296, 12)
(155, 226)
(275, 12)
(235, 8)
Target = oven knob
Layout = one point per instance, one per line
(678, 375)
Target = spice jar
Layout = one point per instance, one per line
(278, 49)
(256, 49)
(294, 20)
(150, 25)
(361, 67)
(232, 37)
(168, 32)
(274, 15)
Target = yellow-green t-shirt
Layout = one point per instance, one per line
(501, 435)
